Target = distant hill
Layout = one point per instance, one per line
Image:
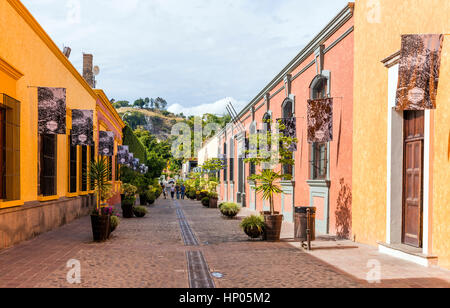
(158, 123)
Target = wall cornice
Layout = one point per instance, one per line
(31, 21)
(10, 70)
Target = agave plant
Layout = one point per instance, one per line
(99, 176)
(266, 183)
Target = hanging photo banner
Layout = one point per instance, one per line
(52, 111)
(290, 131)
(136, 164)
(106, 144)
(83, 127)
(142, 169)
(130, 160)
(420, 64)
(320, 120)
(123, 154)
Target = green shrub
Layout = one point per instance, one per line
(213, 195)
(140, 211)
(230, 209)
(205, 201)
(115, 221)
(151, 197)
(129, 191)
(253, 222)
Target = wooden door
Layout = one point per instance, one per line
(2, 153)
(413, 178)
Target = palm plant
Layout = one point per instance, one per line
(267, 184)
(99, 176)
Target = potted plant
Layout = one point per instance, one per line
(266, 183)
(129, 201)
(100, 219)
(114, 223)
(205, 202)
(151, 197)
(198, 196)
(229, 209)
(140, 211)
(213, 200)
(253, 226)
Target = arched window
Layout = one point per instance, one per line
(319, 151)
(288, 112)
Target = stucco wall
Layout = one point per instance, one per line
(378, 36)
(22, 48)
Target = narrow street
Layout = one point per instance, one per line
(178, 245)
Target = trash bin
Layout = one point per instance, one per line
(301, 223)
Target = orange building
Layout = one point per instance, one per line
(405, 218)
(42, 185)
(322, 175)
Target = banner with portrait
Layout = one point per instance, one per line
(320, 120)
(51, 111)
(122, 154)
(82, 127)
(419, 70)
(106, 144)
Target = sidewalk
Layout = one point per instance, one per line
(357, 260)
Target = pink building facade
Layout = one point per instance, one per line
(322, 175)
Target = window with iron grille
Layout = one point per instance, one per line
(9, 148)
(84, 170)
(231, 160)
(47, 165)
(92, 158)
(73, 176)
(319, 161)
(225, 170)
(110, 168)
(319, 151)
(117, 177)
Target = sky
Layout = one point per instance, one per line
(196, 54)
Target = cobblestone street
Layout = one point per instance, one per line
(152, 252)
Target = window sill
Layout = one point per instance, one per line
(8, 204)
(319, 183)
(72, 195)
(48, 198)
(83, 193)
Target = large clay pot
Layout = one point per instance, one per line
(273, 227)
(213, 203)
(127, 209)
(100, 227)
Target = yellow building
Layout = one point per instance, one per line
(33, 201)
(379, 140)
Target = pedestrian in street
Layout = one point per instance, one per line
(183, 191)
(163, 187)
(177, 189)
(172, 191)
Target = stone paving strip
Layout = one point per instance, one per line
(198, 270)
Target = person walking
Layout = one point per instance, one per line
(183, 191)
(163, 187)
(177, 189)
(172, 191)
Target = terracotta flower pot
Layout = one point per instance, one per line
(253, 233)
(213, 203)
(273, 227)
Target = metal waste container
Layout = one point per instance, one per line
(305, 218)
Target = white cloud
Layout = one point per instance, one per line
(218, 107)
(188, 52)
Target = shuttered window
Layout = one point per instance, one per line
(9, 148)
(84, 170)
(72, 167)
(92, 158)
(47, 165)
